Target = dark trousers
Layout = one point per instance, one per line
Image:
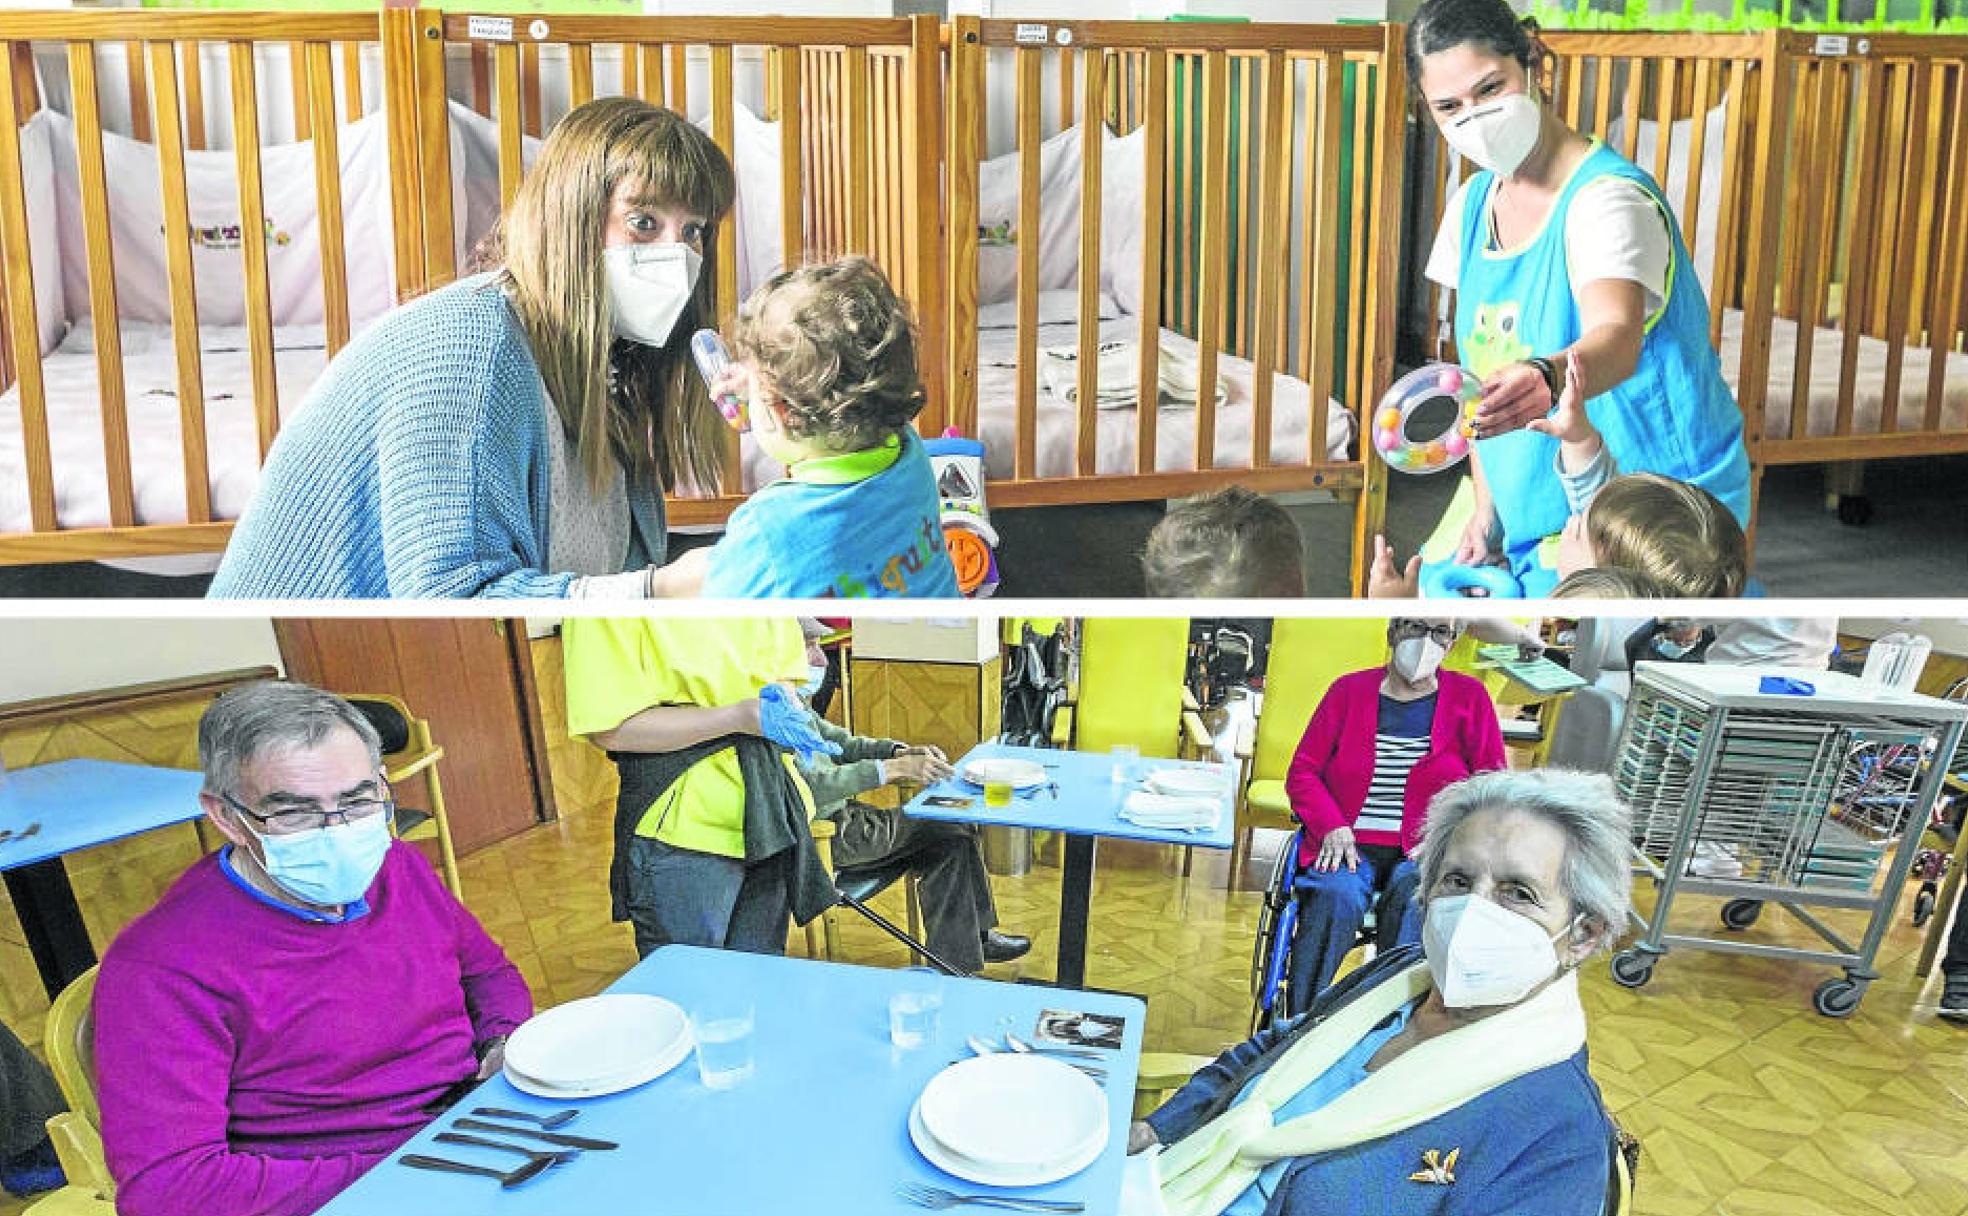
(683, 897)
(28, 1096)
(1955, 960)
(1332, 907)
(948, 865)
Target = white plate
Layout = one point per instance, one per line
(1191, 782)
(626, 1081)
(1013, 1112)
(1022, 774)
(599, 1040)
(959, 1166)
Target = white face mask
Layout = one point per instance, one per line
(1481, 954)
(1416, 659)
(1497, 135)
(649, 286)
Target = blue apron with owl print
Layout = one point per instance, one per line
(1674, 415)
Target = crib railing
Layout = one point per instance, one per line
(1316, 224)
(857, 169)
(163, 58)
(1875, 237)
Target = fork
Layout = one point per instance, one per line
(938, 1198)
(562, 1157)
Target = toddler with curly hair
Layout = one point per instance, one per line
(825, 360)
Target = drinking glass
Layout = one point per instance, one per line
(723, 1030)
(912, 1017)
(1127, 760)
(997, 793)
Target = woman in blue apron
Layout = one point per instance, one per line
(1560, 244)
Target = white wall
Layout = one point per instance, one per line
(47, 658)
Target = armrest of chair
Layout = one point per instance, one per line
(823, 831)
(1189, 702)
(1194, 734)
(79, 1148)
(414, 767)
(1161, 1074)
(1062, 725)
(1247, 739)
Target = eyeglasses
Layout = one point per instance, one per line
(307, 819)
(1441, 634)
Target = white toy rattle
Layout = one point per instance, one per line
(1423, 386)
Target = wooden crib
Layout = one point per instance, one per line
(856, 164)
(1822, 187)
(1288, 295)
(165, 58)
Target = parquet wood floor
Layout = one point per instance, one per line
(1748, 1103)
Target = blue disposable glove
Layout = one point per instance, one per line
(788, 723)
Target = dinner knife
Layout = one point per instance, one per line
(560, 1138)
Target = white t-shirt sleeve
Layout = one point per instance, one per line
(1614, 230)
(1445, 258)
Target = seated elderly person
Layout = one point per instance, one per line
(1451, 1078)
(298, 1004)
(1381, 743)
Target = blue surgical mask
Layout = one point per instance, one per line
(1671, 649)
(815, 676)
(332, 865)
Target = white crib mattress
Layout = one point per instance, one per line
(151, 401)
(1869, 385)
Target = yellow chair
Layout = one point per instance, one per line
(1307, 655)
(409, 751)
(1131, 693)
(69, 1040)
(822, 934)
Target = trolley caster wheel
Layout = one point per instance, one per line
(1854, 510)
(1741, 913)
(1838, 997)
(1631, 968)
(1923, 908)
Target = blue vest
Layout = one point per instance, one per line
(1674, 415)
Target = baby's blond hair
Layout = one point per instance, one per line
(1674, 532)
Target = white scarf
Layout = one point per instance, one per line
(1201, 1174)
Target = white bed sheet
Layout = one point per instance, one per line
(156, 446)
(1869, 386)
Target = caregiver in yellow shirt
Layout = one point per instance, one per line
(675, 703)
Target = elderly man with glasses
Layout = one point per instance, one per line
(301, 1002)
(1380, 745)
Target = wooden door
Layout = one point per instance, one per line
(472, 680)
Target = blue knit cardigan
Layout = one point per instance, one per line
(1540, 1145)
(417, 467)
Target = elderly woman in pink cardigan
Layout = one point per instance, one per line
(1380, 745)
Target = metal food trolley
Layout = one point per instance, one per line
(1770, 797)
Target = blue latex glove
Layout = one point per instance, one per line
(1786, 686)
(788, 723)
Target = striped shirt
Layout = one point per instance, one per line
(1400, 742)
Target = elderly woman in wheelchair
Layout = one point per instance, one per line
(1449, 1078)
(1380, 745)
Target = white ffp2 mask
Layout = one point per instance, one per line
(1498, 135)
(1416, 659)
(649, 286)
(1482, 954)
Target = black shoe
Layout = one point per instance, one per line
(1003, 947)
(1954, 995)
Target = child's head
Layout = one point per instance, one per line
(832, 357)
(1609, 583)
(1675, 533)
(1224, 545)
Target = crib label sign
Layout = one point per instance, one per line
(1833, 44)
(489, 29)
(1031, 34)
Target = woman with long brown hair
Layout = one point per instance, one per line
(513, 434)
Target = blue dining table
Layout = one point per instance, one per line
(821, 1125)
(71, 805)
(1082, 800)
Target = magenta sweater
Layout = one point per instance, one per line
(1333, 766)
(251, 1063)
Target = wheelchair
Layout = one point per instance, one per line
(1277, 923)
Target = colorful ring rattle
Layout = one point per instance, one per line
(1428, 383)
(1446, 580)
